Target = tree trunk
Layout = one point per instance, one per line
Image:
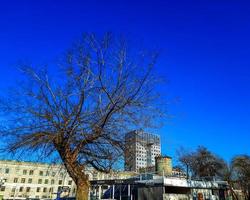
(234, 195)
(187, 172)
(82, 190)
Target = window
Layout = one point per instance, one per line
(20, 189)
(24, 172)
(50, 189)
(45, 189)
(46, 181)
(39, 181)
(30, 180)
(47, 173)
(53, 173)
(22, 180)
(70, 182)
(13, 189)
(38, 189)
(52, 181)
(15, 180)
(2, 189)
(31, 172)
(7, 170)
(28, 189)
(60, 182)
(41, 173)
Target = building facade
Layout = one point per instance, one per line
(155, 187)
(21, 180)
(32, 180)
(141, 148)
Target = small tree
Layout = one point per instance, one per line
(101, 90)
(186, 159)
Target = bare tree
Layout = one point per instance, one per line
(186, 159)
(228, 175)
(241, 173)
(82, 109)
(202, 163)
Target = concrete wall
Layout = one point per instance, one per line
(150, 193)
(176, 197)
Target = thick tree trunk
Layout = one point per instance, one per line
(76, 172)
(82, 191)
(234, 195)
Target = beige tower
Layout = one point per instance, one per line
(163, 165)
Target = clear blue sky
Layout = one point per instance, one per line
(206, 57)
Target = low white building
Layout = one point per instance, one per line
(21, 180)
(32, 180)
(155, 187)
(174, 188)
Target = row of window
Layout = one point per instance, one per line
(148, 155)
(40, 181)
(28, 189)
(142, 159)
(31, 172)
(143, 147)
(22, 180)
(141, 163)
(36, 197)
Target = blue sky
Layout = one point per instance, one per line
(205, 55)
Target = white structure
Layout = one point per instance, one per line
(32, 180)
(177, 188)
(141, 148)
(21, 180)
(149, 186)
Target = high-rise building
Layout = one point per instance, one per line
(141, 148)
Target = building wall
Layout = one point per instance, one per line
(34, 180)
(39, 180)
(149, 193)
(141, 148)
(177, 197)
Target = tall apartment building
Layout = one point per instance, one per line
(21, 180)
(141, 148)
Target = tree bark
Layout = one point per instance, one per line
(82, 190)
(76, 172)
(234, 195)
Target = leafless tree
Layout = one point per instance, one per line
(202, 163)
(240, 173)
(81, 109)
(185, 159)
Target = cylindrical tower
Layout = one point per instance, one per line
(163, 165)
